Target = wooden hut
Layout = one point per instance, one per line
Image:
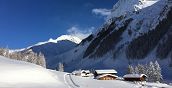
(135, 77)
(106, 77)
(105, 74)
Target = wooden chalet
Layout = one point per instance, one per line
(106, 77)
(135, 77)
(105, 74)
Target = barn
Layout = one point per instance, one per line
(105, 74)
(135, 77)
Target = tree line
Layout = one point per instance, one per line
(28, 56)
(152, 70)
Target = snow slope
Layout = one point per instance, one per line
(18, 74)
(88, 82)
(124, 7)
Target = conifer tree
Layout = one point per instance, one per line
(158, 76)
(61, 67)
(130, 69)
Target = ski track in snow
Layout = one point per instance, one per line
(69, 81)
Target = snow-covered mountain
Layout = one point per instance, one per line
(52, 48)
(124, 7)
(61, 38)
(137, 31)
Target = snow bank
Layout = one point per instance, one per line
(18, 74)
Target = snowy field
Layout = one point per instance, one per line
(18, 74)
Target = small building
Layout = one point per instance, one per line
(83, 73)
(86, 73)
(105, 74)
(106, 77)
(135, 77)
(76, 73)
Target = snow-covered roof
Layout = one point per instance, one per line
(80, 71)
(134, 75)
(87, 71)
(100, 76)
(109, 71)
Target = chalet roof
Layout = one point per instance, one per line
(77, 71)
(108, 71)
(100, 76)
(134, 75)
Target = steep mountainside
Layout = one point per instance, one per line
(137, 31)
(52, 48)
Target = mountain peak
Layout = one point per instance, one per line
(68, 37)
(61, 38)
(123, 7)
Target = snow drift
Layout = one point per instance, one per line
(22, 74)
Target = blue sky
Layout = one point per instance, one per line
(26, 22)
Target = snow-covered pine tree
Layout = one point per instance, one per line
(151, 72)
(41, 60)
(7, 53)
(2, 50)
(157, 73)
(61, 67)
(141, 69)
(130, 70)
(28, 56)
(136, 70)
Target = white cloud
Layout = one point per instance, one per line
(103, 12)
(80, 32)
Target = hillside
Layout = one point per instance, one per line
(18, 74)
(52, 48)
(129, 36)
